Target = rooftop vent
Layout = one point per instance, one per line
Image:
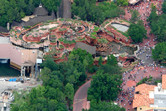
(159, 86)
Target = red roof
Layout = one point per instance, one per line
(163, 81)
(141, 96)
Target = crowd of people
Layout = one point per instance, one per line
(139, 72)
(146, 66)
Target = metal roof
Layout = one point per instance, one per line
(160, 100)
(4, 40)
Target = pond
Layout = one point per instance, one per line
(120, 27)
(6, 70)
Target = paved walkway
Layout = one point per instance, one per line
(147, 66)
(80, 97)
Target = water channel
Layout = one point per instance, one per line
(7, 71)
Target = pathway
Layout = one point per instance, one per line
(80, 97)
(146, 67)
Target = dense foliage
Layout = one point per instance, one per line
(159, 53)
(104, 87)
(134, 16)
(137, 32)
(14, 10)
(158, 25)
(88, 10)
(40, 99)
(111, 67)
(164, 7)
(60, 81)
(122, 2)
(104, 106)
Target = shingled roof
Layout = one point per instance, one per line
(141, 96)
(2, 29)
(40, 11)
(36, 20)
(88, 48)
(163, 81)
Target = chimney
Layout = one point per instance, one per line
(8, 26)
(159, 85)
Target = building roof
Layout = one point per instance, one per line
(27, 18)
(36, 20)
(141, 96)
(40, 11)
(163, 81)
(4, 40)
(160, 100)
(2, 29)
(88, 48)
(14, 23)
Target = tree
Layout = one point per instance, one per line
(134, 16)
(122, 2)
(69, 92)
(164, 7)
(49, 63)
(111, 60)
(158, 27)
(104, 87)
(15, 10)
(111, 67)
(158, 24)
(82, 55)
(100, 61)
(51, 4)
(137, 32)
(159, 53)
(153, 15)
(104, 106)
(36, 100)
(87, 10)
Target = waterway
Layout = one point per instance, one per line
(6, 70)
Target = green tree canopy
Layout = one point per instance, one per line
(134, 16)
(51, 5)
(60, 81)
(158, 27)
(104, 106)
(111, 67)
(164, 7)
(87, 10)
(15, 10)
(137, 32)
(104, 87)
(122, 2)
(153, 15)
(37, 100)
(158, 24)
(159, 53)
